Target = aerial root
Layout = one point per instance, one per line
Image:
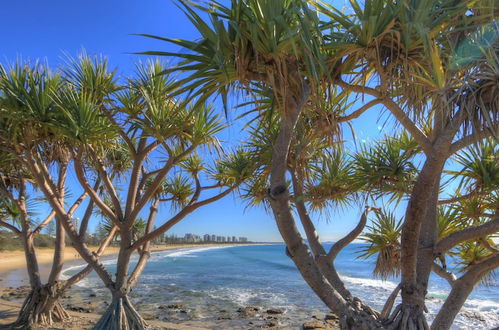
(41, 307)
(121, 315)
(404, 318)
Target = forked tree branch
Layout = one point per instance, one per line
(462, 198)
(308, 225)
(396, 111)
(111, 190)
(179, 216)
(338, 246)
(44, 223)
(468, 140)
(360, 111)
(84, 272)
(93, 194)
(151, 190)
(443, 273)
(467, 234)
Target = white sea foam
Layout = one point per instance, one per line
(65, 276)
(369, 282)
(185, 253)
(244, 297)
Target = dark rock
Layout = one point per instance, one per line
(272, 324)
(224, 318)
(175, 306)
(249, 311)
(331, 316)
(222, 311)
(183, 311)
(92, 295)
(275, 311)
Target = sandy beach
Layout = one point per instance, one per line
(13, 260)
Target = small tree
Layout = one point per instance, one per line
(24, 103)
(153, 128)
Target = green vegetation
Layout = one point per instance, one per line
(432, 65)
(310, 69)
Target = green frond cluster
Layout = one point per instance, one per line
(249, 41)
(387, 167)
(383, 239)
(235, 167)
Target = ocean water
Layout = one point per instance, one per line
(207, 280)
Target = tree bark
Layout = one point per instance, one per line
(411, 314)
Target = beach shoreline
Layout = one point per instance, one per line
(13, 263)
(85, 311)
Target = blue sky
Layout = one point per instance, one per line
(48, 29)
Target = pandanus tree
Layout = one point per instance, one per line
(408, 48)
(466, 220)
(277, 45)
(27, 113)
(434, 65)
(160, 136)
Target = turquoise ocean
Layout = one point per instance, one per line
(207, 280)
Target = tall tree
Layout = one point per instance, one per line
(433, 63)
(284, 47)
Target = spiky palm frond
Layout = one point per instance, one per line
(480, 167)
(178, 190)
(448, 221)
(469, 254)
(90, 75)
(332, 186)
(386, 168)
(234, 168)
(193, 164)
(255, 192)
(81, 121)
(383, 237)
(256, 40)
(27, 107)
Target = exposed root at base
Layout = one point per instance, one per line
(121, 315)
(406, 318)
(41, 307)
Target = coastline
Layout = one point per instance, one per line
(13, 263)
(86, 309)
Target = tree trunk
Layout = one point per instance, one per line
(41, 306)
(461, 289)
(457, 297)
(297, 249)
(417, 246)
(121, 315)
